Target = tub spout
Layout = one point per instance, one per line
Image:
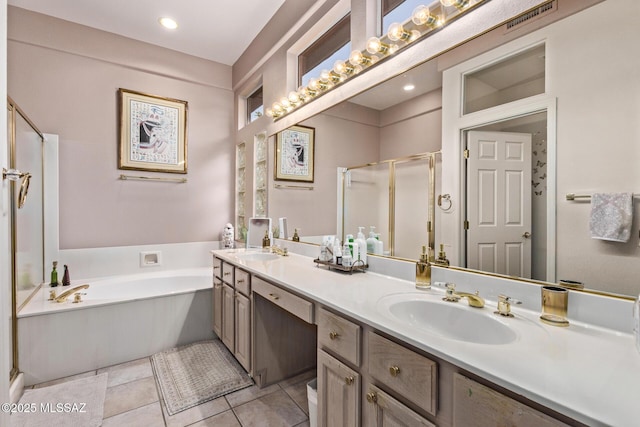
(63, 296)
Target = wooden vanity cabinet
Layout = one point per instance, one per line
(232, 309)
(476, 405)
(338, 393)
(382, 410)
(227, 336)
(384, 368)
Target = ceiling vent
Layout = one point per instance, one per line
(532, 15)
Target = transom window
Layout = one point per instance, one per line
(255, 108)
(333, 45)
(397, 11)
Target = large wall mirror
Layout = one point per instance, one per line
(581, 132)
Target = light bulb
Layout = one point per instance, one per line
(268, 112)
(422, 16)
(358, 57)
(317, 85)
(168, 23)
(294, 98)
(276, 107)
(303, 94)
(374, 46)
(397, 32)
(460, 4)
(309, 92)
(342, 67)
(285, 103)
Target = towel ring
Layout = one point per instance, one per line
(446, 198)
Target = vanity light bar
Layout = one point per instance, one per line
(422, 21)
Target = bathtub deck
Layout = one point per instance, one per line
(133, 398)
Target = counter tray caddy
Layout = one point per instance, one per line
(359, 265)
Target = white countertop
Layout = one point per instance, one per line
(585, 372)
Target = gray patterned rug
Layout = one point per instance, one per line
(196, 373)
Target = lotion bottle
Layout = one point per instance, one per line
(353, 248)
(379, 246)
(362, 246)
(371, 241)
(347, 261)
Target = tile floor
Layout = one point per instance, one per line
(133, 399)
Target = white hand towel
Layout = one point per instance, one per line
(611, 216)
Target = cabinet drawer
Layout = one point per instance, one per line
(289, 302)
(242, 282)
(227, 273)
(475, 405)
(404, 371)
(340, 336)
(217, 267)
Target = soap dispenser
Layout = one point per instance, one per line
(442, 260)
(266, 241)
(423, 270)
(295, 237)
(371, 241)
(379, 246)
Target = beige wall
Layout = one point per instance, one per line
(596, 78)
(66, 77)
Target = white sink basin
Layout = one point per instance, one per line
(450, 320)
(257, 256)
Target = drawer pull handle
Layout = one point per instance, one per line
(240, 280)
(394, 371)
(348, 380)
(274, 296)
(372, 397)
(226, 273)
(216, 267)
(333, 335)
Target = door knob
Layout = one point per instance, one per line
(526, 235)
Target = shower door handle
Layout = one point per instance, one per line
(14, 175)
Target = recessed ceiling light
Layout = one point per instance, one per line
(168, 23)
(408, 87)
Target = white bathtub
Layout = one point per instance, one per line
(121, 318)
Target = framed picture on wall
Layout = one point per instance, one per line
(294, 154)
(153, 133)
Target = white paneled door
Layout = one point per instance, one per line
(499, 202)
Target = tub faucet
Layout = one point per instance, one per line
(63, 296)
(475, 300)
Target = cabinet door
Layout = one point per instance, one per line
(382, 410)
(476, 405)
(217, 307)
(228, 320)
(338, 393)
(243, 330)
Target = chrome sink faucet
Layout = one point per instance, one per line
(475, 300)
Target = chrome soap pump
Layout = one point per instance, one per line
(423, 270)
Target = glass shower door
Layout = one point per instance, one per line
(27, 215)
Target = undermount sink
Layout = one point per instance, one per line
(257, 256)
(450, 320)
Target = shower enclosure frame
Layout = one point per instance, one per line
(13, 111)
